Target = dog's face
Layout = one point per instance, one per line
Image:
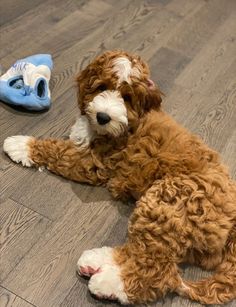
(115, 92)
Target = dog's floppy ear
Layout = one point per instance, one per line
(148, 94)
(153, 97)
(80, 92)
(82, 81)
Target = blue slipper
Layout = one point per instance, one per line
(26, 83)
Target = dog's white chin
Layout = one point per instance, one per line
(111, 103)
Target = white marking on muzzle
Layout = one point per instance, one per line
(111, 103)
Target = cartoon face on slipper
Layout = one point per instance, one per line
(26, 83)
(115, 91)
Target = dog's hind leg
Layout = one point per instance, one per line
(206, 261)
(143, 269)
(221, 287)
(127, 274)
(62, 157)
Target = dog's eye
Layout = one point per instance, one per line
(127, 97)
(101, 88)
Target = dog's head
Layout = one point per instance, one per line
(115, 91)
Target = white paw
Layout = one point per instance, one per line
(106, 281)
(17, 149)
(81, 132)
(107, 284)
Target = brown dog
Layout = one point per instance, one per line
(186, 202)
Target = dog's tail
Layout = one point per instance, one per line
(219, 288)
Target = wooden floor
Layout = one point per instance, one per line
(48, 221)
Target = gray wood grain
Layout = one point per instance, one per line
(212, 60)
(49, 268)
(20, 229)
(194, 31)
(48, 221)
(166, 65)
(12, 9)
(9, 299)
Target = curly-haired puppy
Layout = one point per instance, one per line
(186, 202)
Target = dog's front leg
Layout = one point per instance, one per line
(62, 157)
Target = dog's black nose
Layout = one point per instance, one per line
(103, 118)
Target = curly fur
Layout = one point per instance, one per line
(186, 202)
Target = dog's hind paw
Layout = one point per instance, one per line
(105, 281)
(107, 284)
(91, 260)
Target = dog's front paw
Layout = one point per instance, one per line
(81, 132)
(17, 148)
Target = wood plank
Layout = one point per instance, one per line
(12, 9)
(56, 254)
(163, 25)
(150, 34)
(185, 8)
(214, 59)
(20, 229)
(55, 21)
(73, 21)
(47, 201)
(166, 65)
(211, 115)
(9, 299)
(199, 26)
(80, 296)
(12, 174)
(214, 123)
